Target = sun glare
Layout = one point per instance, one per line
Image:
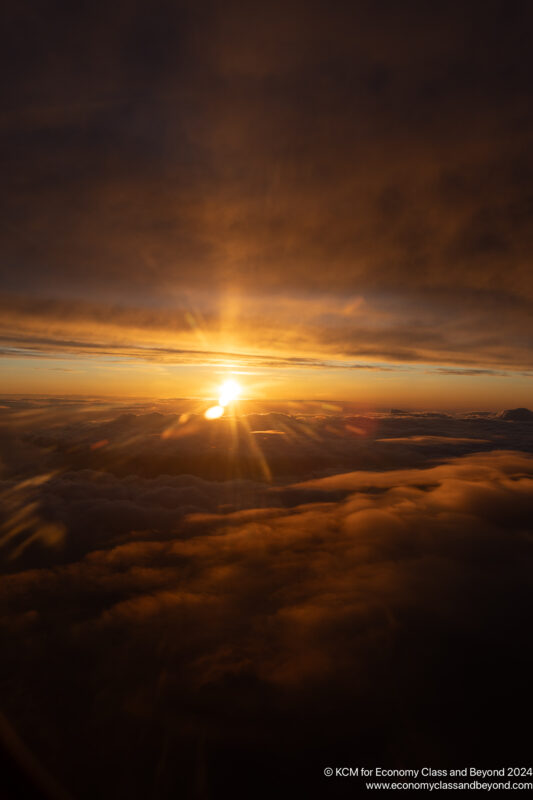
(229, 392)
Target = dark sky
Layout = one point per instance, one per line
(364, 167)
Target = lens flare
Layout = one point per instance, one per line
(214, 412)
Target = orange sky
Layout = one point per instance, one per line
(324, 206)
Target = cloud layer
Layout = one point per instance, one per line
(251, 166)
(174, 628)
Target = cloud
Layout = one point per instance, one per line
(308, 159)
(148, 440)
(373, 609)
(195, 608)
(517, 414)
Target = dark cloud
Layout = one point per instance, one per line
(164, 157)
(391, 618)
(159, 626)
(175, 439)
(517, 414)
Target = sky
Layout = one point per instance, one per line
(332, 201)
(214, 589)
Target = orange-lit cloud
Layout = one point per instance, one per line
(363, 603)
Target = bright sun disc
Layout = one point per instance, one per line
(229, 391)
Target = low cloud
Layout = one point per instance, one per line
(185, 623)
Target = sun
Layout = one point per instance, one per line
(229, 392)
